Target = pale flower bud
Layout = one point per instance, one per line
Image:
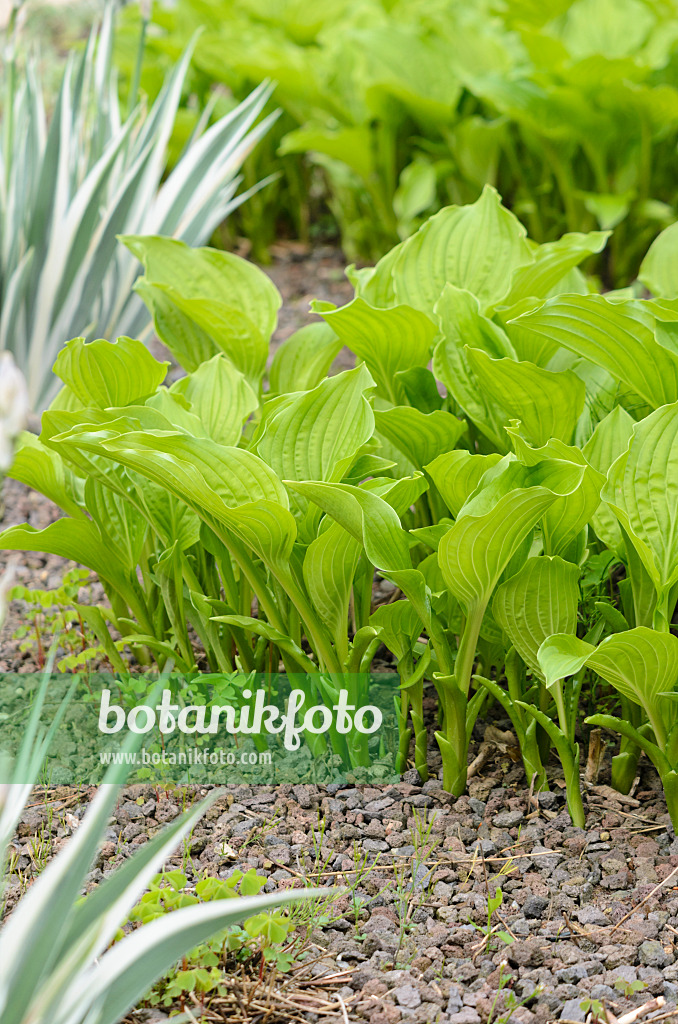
(14, 408)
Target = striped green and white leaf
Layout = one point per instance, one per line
(75, 182)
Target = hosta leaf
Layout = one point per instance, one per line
(641, 664)
(399, 626)
(189, 344)
(263, 628)
(608, 441)
(457, 474)
(552, 261)
(79, 540)
(463, 326)
(419, 436)
(317, 434)
(209, 274)
(221, 398)
(474, 247)
(642, 491)
(388, 340)
(329, 567)
(540, 600)
(547, 404)
(44, 470)
(303, 359)
(493, 524)
(206, 475)
(104, 374)
(118, 521)
(366, 516)
(659, 270)
(618, 336)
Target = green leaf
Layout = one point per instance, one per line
(221, 397)
(540, 600)
(619, 336)
(316, 435)
(552, 261)
(421, 437)
(303, 360)
(44, 470)
(399, 626)
(608, 441)
(457, 474)
(659, 269)
(642, 664)
(209, 274)
(462, 327)
(213, 300)
(547, 404)
(473, 247)
(642, 491)
(104, 374)
(329, 567)
(76, 539)
(366, 516)
(493, 524)
(388, 340)
(273, 635)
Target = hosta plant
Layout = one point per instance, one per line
(570, 109)
(503, 452)
(13, 419)
(72, 181)
(56, 966)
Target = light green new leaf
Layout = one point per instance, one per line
(619, 336)
(540, 600)
(209, 274)
(547, 404)
(329, 567)
(642, 491)
(303, 360)
(399, 625)
(642, 664)
(421, 437)
(366, 516)
(119, 522)
(316, 435)
(76, 539)
(474, 247)
(552, 261)
(388, 340)
(44, 470)
(608, 441)
(104, 374)
(221, 398)
(494, 523)
(263, 628)
(189, 344)
(462, 326)
(457, 474)
(659, 270)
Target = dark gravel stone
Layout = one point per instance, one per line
(534, 906)
(652, 954)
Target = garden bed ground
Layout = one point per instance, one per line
(589, 912)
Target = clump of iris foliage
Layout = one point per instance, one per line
(505, 452)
